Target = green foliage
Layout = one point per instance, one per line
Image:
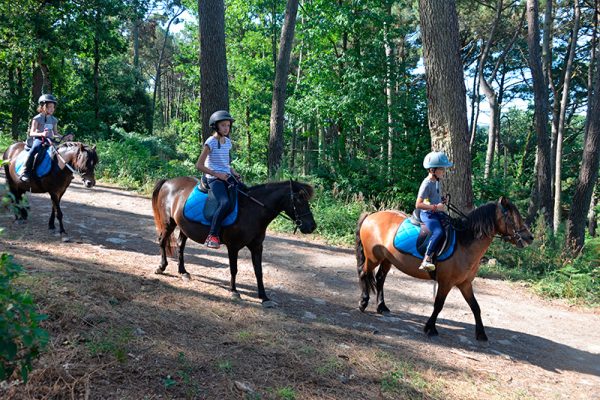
(21, 337)
(137, 161)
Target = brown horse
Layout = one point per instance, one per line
(73, 157)
(375, 248)
(256, 210)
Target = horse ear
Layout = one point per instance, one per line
(503, 201)
(94, 148)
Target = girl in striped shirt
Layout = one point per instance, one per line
(215, 163)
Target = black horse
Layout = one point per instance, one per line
(68, 158)
(255, 212)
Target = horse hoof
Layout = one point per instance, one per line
(482, 337)
(159, 271)
(269, 304)
(362, 306)
(65, 239)
(52, 231)
(431, 331)
(20, 221)
(235, 296)
(383, 310)
(186, 277)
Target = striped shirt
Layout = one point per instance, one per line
(218, 159)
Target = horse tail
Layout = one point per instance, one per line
(159, 221)
(365, 277)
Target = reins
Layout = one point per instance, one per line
(73, 170)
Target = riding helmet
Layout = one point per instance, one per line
(218, 116)
(47, 98)
(436, 159)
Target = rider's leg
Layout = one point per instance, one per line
(219, 188)
(28, 168)
(435, 226)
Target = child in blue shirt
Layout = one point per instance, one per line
(430, 203)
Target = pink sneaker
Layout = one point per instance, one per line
(212, 242)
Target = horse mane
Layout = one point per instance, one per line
(480, 223)
(91, 154)
(303, 189)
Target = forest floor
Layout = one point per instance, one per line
(119, 331)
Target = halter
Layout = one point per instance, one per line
(516, 234)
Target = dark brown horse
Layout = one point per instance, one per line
(73, 157)
(375, 248)
(291, 198)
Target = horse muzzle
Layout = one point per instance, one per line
(89, 183)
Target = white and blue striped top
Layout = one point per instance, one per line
(218, 159)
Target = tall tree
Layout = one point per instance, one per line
(446, 94)
(214, 87)
(280, 87)
(588, 174)
(542, 197)
(564, 103)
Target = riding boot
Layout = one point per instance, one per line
(27, 169)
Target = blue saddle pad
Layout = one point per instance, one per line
(193, 209)
(42, 168)
(406, 241)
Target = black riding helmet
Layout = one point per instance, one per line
(47, 98)
(218, 116)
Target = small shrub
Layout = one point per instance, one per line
(21, 338)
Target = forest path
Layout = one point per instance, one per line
(537, 348)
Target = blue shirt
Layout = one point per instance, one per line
(218, 159)
(430, 191)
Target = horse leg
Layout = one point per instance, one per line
(21, 210)
(366, 281)
(256, 250)
(163, 242)
(384, 268)
(59, 215)
(51, 226)
(233, 260)
(466, 288)
(181, 266)
(443, 291)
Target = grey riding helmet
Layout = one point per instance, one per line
(47, 98)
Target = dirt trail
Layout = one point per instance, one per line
(537, 348)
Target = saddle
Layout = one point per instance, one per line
(425, 234)
(413, 236)
(201, 205)
(42, 164)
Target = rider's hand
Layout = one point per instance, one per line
(222, 176)
(441, 207)
(45, 133)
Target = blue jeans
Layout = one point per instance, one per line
(36, 147)
(433, 222)
(219, 188)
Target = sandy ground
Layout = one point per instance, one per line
(537, 348)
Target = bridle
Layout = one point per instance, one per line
(296, 220)
(509, 223)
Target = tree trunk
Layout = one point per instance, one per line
(592, 217)
(446, 94)
(543, 200)
(214, 87)
(588, 174)
(96, 74)
(564, 103)
(41, 79)
(280, 86)
(389, 84)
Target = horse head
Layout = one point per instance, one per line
(298, 207)
(510, 224)
(82, 158)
